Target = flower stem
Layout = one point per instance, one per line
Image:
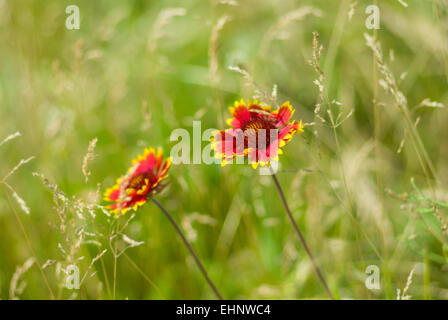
(301, 237)
(189, 247)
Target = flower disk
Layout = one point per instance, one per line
(142, 181)
(256, 133)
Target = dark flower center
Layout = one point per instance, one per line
(138, 181)
(261, 129)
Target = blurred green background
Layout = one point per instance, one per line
(136, 70)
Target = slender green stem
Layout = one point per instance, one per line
(28, 242)
(106, 279)
(189, 247)
(444, 55)
(139, 270)
(301, 237)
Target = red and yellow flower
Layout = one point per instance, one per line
(143, 180)
(256, 133)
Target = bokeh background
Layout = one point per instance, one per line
(136, 70)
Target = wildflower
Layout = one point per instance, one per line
(139, 185)
(256, 132)
(143, 180)
(259, 134)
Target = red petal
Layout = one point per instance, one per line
(283, 116)
(114, 195)
(241, 115)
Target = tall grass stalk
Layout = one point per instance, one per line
(106, 278)
(390, 84)
(378, 156)
(376, 129)
(444, 54)
(90, 155)
(28, 242)
(334, 123)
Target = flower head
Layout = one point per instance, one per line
(142, 181)
(256, 132)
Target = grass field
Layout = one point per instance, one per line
(366, 182)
